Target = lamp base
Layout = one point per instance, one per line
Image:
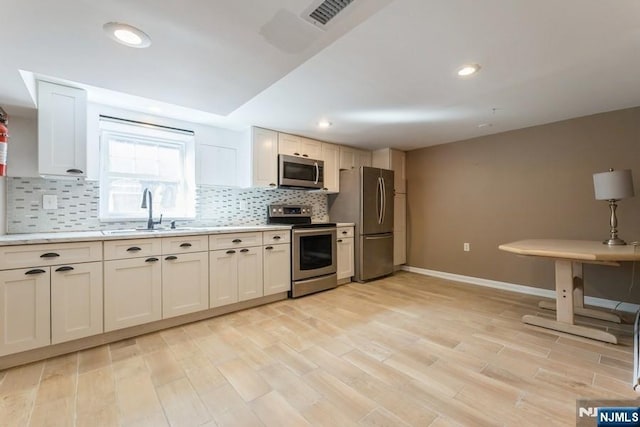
(615, 242)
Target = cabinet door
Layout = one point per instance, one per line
(347, 158)
(331, 157)
(185, 283)
(363, 158)
(265, 157)
(277, 269)
(346, 268)
(310, 148)
(24, 310)
(223, 277)
(289, 144)
(399, 229)
(76, 301)
(250, 273)
(62, 130)
(398, 165)
(132, 292)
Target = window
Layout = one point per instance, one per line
(135, 156)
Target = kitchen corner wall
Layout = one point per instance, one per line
(523, 184)
(78, 206)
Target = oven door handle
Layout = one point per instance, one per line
(316, 231)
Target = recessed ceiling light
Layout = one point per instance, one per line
(323, 124)
(127, 35)
(468, 70)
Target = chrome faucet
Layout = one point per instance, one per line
(150, 222)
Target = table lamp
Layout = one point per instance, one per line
(613, 186)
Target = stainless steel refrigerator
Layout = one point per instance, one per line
(366, 199)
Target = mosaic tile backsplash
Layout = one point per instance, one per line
(78, 206)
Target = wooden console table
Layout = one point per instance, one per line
(569, 255)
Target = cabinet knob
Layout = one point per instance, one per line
(244, 250)
(134, 249)
(171, 258)
(231, 251)
(65, 268)
(269, 248)
(50, 255)
(185, 245)
(75, 171)
(236, 241)
(153, 259)
(35, 271)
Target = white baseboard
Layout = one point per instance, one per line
(529, 290)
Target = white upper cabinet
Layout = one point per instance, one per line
(62, 130)
(294, 145)
(331, 158)
(351, 158)
(265, 157)
(395, 160)
(218, 165)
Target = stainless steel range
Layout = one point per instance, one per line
(313, 249)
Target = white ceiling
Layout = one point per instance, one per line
(383, 72)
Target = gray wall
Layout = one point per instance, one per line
(529, 183)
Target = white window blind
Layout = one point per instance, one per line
(136, 156)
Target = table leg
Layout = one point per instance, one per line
(578, 299)
(565, 306)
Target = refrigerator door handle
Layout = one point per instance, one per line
(384, 200)
(379, 196)
(388, 236)
(317, 173)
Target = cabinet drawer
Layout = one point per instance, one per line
(132, 248)
(184, 244)
(345, 232)
(275, 237)
(24, 256)
(234, 240)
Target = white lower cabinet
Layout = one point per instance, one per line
(76, 301)
(25, 309)
(235, 275)
(345, 254)
(132, 292)
(185, 283)
(277, 268)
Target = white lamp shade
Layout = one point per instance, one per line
(613, 185)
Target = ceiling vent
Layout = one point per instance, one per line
(321, 12)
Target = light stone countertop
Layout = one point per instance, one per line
(83, 236)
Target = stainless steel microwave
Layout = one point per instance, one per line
(300, 172)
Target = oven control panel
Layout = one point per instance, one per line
(290, 211)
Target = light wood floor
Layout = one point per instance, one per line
(406, 350)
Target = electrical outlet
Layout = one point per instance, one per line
(466, 247)
(49, 202)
